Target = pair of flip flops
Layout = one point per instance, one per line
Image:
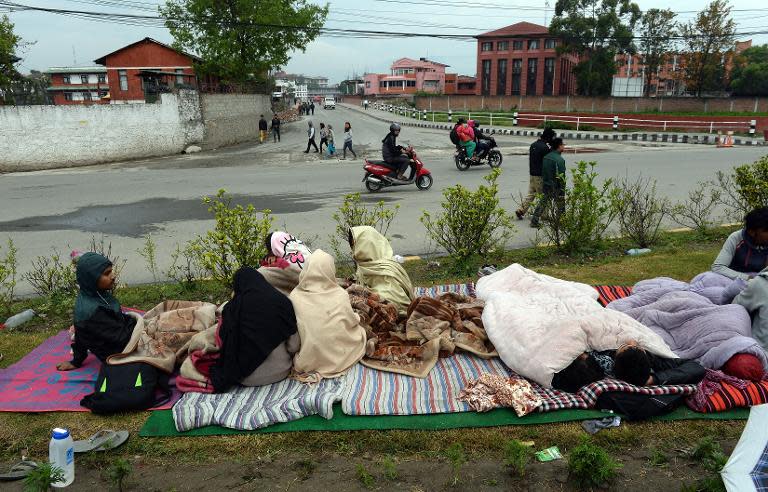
(101, 441)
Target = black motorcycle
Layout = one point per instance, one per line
(492, 156)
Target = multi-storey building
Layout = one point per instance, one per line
(522, 59)
(408, 76)
(78, 85)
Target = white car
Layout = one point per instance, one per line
(329, 103)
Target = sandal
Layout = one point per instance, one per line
(19, 471)
(102, 441)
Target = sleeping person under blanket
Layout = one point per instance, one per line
(629, 363)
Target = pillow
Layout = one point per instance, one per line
(744, 366)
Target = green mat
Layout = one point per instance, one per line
(160, 422)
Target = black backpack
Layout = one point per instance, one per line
(454, 137)
(126, 387)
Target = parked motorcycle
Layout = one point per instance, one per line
(379, 174)
(493, 157)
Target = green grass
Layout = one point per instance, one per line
(680, 256)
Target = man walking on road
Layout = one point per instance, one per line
(536, 154)
(311, 135)
(312, 107)
(275, 128)
(553, 180)
(262, 129)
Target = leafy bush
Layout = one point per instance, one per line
(8, 270)
(366, 479)
(41, 478)
(52, 276)
(455, 454)
(745, 189)
(118, 472)
(640, 210)
(354, 212)
(186, 267)
(587, 213)
(590, 465)
(236, 240)
(149, 252)
(517, 455)
(697, 211)
(472, 222)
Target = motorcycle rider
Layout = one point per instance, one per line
(480, 140)
(393, 154)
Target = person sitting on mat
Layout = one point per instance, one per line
(745, 252)
(100, 325)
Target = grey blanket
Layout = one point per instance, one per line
(695, 319)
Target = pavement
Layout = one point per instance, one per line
(121, 202)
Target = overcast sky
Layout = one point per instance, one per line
(65, 41)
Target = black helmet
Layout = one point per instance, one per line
(393, 127)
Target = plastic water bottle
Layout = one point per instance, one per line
(61, 453)
(638, 251)
(19, 319)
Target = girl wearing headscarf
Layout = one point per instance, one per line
(257, 321)
(285, 261)
(100, 326)
(377, 270)
(332, 339)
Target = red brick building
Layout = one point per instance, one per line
(138, 72)
(78, 85)
(521, 59)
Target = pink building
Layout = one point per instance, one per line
(409, 76)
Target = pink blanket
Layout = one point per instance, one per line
(34, 385)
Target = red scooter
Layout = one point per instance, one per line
(379, 174)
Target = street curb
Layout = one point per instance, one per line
(682, 138)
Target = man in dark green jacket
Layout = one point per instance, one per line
(553, 178)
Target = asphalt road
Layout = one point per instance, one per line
(64, 209)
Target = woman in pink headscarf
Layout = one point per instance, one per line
(286, 258)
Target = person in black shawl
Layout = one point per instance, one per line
(254, 323)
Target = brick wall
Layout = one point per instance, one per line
(233, 118)
(589, 104)
(45, 137)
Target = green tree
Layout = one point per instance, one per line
(657, 28)
(595, 30)
(9, 45)
(750, 72)
(240, 40)
(707, 40)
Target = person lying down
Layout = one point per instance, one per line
(629, 363)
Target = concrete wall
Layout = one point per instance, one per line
(591, 104)
(232, 118)
(44, 137)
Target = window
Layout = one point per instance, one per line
(67, 81)
(486, 78)
(550, 44)
(84, 79)
(486, 46)
(533, 44)
(531, 77)
(517, 45)
(502, 45)
(517, 70)
(367, 84)
(179, 78)
(123, 79)
(102, 78)
(411, 83)
(549, 76)
(86, 96)
(67, 96)
(383, 84)
(501, 79)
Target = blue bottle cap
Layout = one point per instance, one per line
(59, 433)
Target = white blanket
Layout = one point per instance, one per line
(540, 324)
